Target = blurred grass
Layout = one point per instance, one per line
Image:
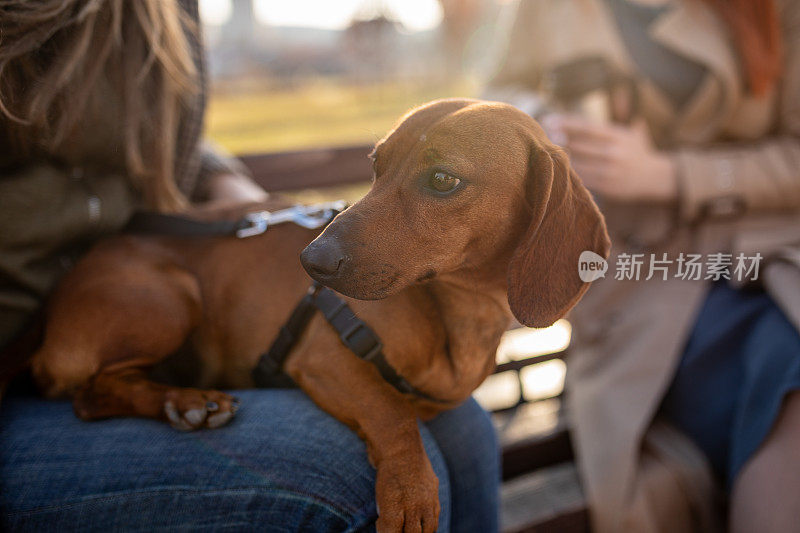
(319, 113)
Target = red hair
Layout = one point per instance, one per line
(756, 33)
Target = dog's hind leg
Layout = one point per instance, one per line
(108, 324)
(127, 391)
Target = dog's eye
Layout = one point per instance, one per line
(443, 182)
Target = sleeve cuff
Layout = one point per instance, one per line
(214, 161)
(707, 187)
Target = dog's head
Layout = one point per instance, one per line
(470, 191)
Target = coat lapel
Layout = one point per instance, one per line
(693, 30)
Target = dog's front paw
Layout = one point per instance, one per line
(188, 409)
(407, 496)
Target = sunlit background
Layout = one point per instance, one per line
(415, 15)
(296, 74)
(305, 73)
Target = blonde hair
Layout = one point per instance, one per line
(62, 48)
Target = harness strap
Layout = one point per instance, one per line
(353, 332)
(361, 340)
(269, 373)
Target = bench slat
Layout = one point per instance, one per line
(310, 169)
(538, 451)
(549, 500)
(519, 364)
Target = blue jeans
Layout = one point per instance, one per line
(281, 465)
(741, 360)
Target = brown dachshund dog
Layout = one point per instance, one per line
(473, 218)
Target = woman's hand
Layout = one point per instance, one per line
(235, 188)
(615, 161)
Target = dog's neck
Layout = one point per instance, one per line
(473, 319)
(485, 285)
(461, 295)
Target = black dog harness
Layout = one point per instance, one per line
(353, 332)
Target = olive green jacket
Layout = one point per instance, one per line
(54, 205)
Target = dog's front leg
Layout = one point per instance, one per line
(352, 390)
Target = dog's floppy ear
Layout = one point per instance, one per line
(543, 279)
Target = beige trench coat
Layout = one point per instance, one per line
(738, 159)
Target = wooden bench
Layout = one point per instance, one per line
(541, 491)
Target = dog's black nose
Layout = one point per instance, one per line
(322, 259)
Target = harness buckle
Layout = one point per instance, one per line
(372, 352)
(258, 223)
(310, 217)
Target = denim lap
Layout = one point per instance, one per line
(281, 465)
